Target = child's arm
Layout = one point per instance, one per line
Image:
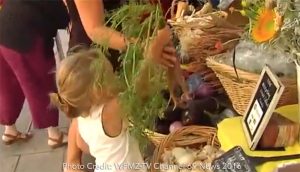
(112, 118)
(74, 152)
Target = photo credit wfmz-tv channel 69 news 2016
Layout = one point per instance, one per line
(135, 166)
(107, 166)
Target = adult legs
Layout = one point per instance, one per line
(35, 74)
(11, 102)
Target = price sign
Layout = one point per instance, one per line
(261, 107)
(235, 160)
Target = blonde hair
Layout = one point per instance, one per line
(78, 83)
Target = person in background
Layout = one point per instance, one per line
(27, 29)
(88, 26)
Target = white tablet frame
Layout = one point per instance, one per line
(252, 143)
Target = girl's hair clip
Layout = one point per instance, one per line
(60, 99)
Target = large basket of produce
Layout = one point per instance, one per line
(203, 33)
(205, 90)
(197, 113)
(203, 86)
(240, 82)
(274, 28)
(190, 147)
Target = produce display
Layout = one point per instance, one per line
(179, 159)
(206, 111)
(178, 110)
(236, 56)
(194, 92)
(203, 109)
(139, 82)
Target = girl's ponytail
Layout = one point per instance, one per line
(63, 105)
(54, 100)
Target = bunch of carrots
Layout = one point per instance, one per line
(142, 21)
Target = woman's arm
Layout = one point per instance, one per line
(93, 20)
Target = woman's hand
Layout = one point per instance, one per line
(161, 49)
(168, 57)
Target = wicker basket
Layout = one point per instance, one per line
(206, 35)
(241, 88)
(158, 138)
(185, 137)
(155, 137)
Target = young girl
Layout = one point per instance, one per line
(99, 128)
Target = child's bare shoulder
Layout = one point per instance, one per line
(111, 110)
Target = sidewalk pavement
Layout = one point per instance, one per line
(34, 155)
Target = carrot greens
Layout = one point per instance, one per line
(141, 80)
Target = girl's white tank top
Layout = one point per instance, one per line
(112, 154)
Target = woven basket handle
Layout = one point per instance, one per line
(174, 3)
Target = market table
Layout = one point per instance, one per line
(231, 134)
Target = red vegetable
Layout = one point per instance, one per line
(175, 126)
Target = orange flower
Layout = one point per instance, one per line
(264, 27)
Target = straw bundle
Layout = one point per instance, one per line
(206, 35)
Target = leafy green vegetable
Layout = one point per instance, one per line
(140, 21)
